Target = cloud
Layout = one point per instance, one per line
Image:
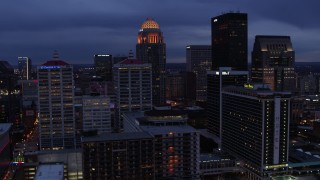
(79, 28)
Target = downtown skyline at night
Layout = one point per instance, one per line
(80, 29)
(159, 90)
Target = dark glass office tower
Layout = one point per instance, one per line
(199, 62)
(152, 49)
(229, 36)
(103, 66)
(273, 62)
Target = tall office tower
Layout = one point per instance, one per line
(25, 67)
(176, 144)
(133, 83)
(229, 40)
(225, 76)
(96, 114)
(273, 62)
(118, 156)
(103, 66)
(56, 110)
(255, 127)
(199, 61)
(152, 49)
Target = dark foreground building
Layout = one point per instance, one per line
(118, 156)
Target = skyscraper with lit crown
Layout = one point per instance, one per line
(273, 62)
(152, 49)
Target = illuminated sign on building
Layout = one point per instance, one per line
(276, 166)
(49, 67)
(249, 86)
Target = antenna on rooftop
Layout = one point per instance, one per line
(55, 54)
(130, 54)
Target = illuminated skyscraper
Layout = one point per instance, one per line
(25, 66)
(273, 62)
(152, 49)
(56, 110)
(230, 41)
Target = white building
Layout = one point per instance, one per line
(133, 87)
(55, 102)
(96, 114)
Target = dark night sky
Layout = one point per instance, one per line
(78, 29)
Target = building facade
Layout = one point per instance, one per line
(225, 76)
(152, 49)
(176, 144)
(273, 61)
(199, 61)
(229, 40)
(176, 85)
(55, 105)
(255, 127)
(9, 104)
(25, 68)
(103, 66)
(96, 114)
(118, 156)
(133, 87)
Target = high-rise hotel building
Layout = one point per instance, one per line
(225, 76)
(152, 49)
(273, 62)
(255, 127)
(55, 102)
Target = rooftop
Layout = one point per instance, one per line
(49, 172)
(155, 130)
(164, 113)
(131, 61)
(150, 24)
(117, 136)
(55, 63)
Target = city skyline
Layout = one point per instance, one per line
(80, 29)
